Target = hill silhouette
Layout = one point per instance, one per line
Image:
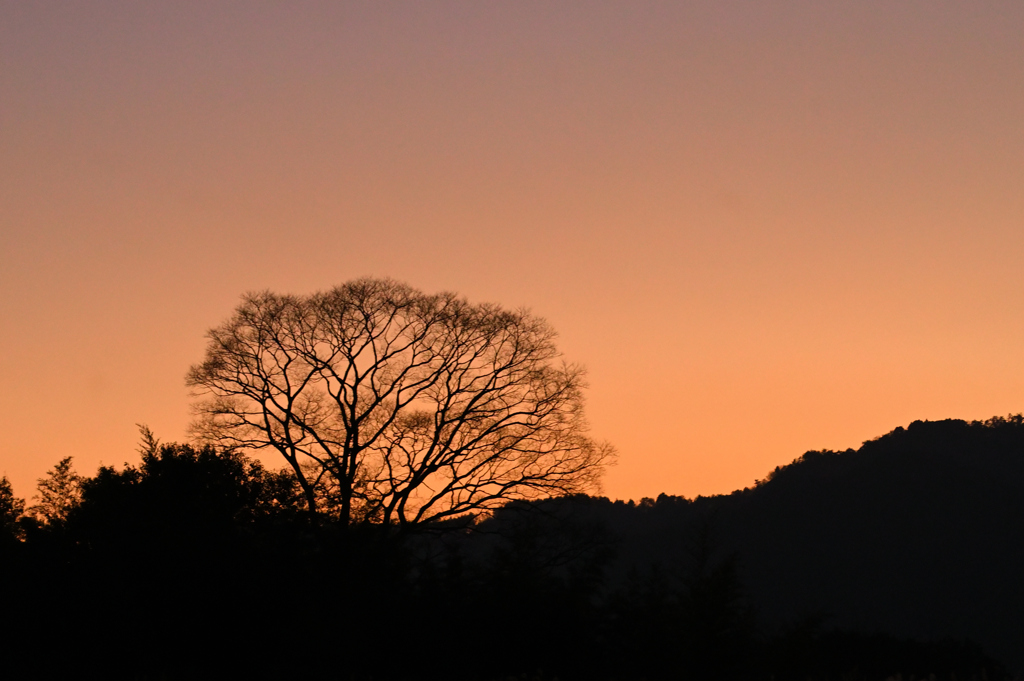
(916, 534)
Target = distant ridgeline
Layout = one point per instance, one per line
(905, 556)
(919, 533)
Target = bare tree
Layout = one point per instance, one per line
(395, 406)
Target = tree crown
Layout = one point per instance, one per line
(395, 406)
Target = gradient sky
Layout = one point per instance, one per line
(764, 227)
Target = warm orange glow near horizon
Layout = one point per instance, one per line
(764, 227)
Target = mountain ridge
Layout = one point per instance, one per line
(918, 533)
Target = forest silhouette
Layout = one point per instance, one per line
(900, 558)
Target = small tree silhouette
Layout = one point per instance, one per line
(59, 492)
(11, 508)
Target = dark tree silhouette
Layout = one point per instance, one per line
(181, 498)
(58, 494)
(11, 508)
(398, 407)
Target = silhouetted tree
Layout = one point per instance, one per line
(59, 493)
(396, 406)
(160, 569)
(181, 494)
(11, 508)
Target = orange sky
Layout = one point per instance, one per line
(764, 227)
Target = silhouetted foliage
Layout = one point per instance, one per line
(198, 562)
(11, 509)
(58, 494)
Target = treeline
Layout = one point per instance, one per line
(201, 563)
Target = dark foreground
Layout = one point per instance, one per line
(200, 564)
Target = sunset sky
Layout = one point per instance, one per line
(764, 227)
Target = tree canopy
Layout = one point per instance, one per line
(396, 406)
